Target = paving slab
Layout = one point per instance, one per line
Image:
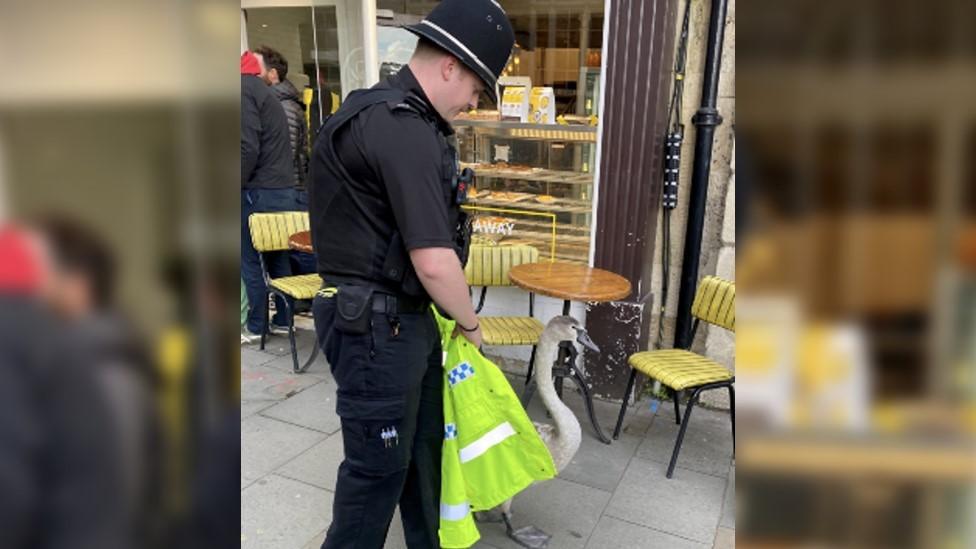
(618, 534)
(728, 505)
(566, 510)
(394, 539)
(637, 419)
(599, 465)
(609, 496)
(319, 465)
(687, 505)
(312, 408)
(268, 444)
(724, 539)
(267, 383)
(253, 357)
(316, 541)
(278, 513)
(707, 447)
(251, 407)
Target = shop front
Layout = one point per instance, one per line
(567, 161)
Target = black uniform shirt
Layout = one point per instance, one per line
(400, 166)
(399, 153)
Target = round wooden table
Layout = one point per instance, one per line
(570, 282)
(301, 241)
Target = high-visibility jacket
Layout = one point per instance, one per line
(491, 448)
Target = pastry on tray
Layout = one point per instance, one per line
(505, 196)
(477, 115)
(545, 199)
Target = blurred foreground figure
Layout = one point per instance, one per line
(75, 406)
(59, 471)
(80, 291)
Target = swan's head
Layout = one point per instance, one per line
(567, 328)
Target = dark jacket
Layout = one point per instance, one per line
(61, 484)
(266, 156)
(382, 183)
(291, 101)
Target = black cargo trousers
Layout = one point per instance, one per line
(390, 404)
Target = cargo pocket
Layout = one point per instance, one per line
(371, 433)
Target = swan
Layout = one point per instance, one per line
(563, 436)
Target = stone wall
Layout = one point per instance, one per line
(718, 241)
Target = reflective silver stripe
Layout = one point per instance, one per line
(483, 444)
(454, 512)
(460, 45)
(499, 6)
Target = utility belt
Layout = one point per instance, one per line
(355, 305)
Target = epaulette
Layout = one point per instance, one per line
(411, 103)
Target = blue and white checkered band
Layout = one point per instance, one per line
(450, 431)
(459, 373)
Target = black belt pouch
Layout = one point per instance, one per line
(354, 309)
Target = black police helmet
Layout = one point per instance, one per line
(475, 31)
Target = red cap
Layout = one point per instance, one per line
(20, 265)
(250, 63)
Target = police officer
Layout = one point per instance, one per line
(389, 236)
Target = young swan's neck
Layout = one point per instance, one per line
(568, 434)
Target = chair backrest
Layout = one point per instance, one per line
(270, 231)
(489, 265)
(715, 302)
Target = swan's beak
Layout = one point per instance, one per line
(584, 339)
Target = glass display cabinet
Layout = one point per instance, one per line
(533, 185)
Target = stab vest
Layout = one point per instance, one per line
(353, 252)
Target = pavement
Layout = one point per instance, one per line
(610, 496)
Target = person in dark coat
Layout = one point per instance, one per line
(275, 75)
(267, 185)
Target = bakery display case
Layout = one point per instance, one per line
(533, 184)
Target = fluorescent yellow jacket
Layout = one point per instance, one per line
(491, 449)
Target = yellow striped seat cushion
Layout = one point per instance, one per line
(510, 330)
(679, 369)
(298, 287)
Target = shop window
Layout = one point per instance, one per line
(308, 39)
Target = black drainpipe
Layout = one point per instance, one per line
(705, 121)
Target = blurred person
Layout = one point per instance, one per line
(388, 234)
(82, 279)
(61, 480)
(267, 185)
(275, 75)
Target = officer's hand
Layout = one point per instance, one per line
(474, 337)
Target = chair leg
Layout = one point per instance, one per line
(732, 414)
(623, 405)
(291, 336)
(528, 375)
(681, 432)
(675, 395)
(267, 318)
(311, 359)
